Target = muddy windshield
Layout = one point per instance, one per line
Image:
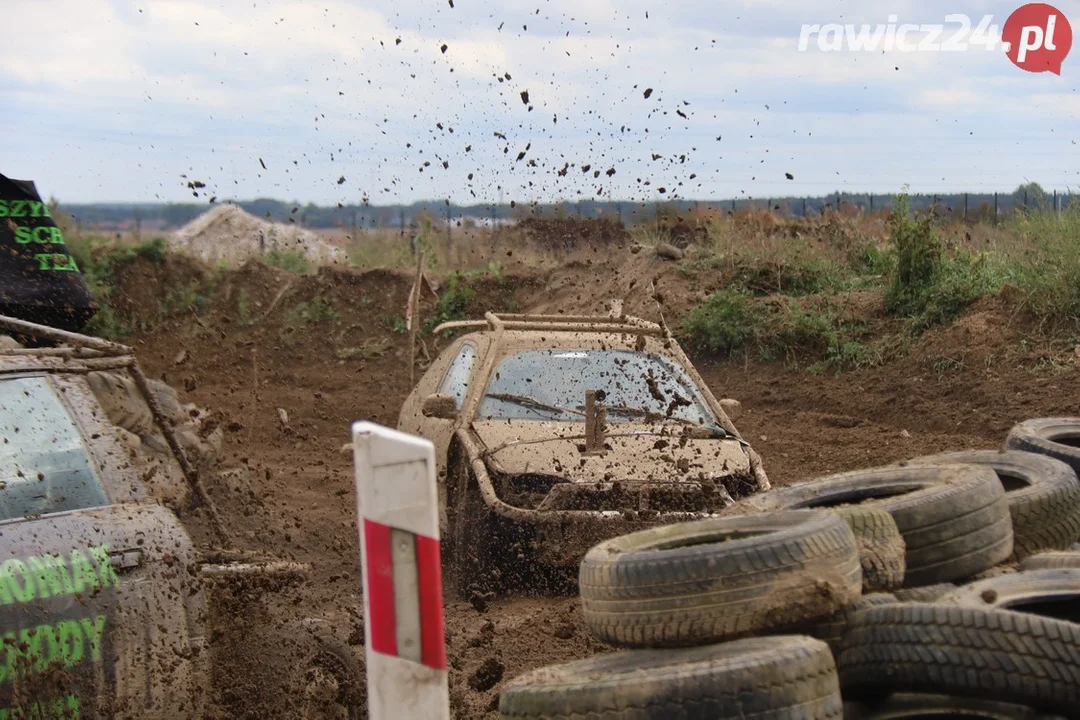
(633, 386)
(44, 466)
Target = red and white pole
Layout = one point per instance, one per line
(397, 504)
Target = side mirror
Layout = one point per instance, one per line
(733, 408)
(443, 407)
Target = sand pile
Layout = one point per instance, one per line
(228, 233)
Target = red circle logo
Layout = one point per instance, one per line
(1037, 38)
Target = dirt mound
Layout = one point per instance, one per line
(228, 233)
(571, 233)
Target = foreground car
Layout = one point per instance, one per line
(553, 433)
(108, 608)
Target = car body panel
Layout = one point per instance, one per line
(634, 452)
(99, 611)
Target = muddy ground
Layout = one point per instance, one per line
(254, 340)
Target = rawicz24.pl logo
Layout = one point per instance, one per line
(1036, 37)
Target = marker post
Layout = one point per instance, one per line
(398, 523)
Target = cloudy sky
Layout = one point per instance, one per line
(129, 100)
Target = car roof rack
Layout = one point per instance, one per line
(552, 323)
(72, 343)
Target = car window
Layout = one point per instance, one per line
(551, 385)
(456, 382)
(44, 465)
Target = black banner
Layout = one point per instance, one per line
(39, 279)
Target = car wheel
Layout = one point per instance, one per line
(473, 533)
(767, 678)
(1043, 496)
(1012, 657)
(333, 685)
(954, 518)
(710, 580)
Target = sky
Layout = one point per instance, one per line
(342, 101)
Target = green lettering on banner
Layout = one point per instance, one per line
(3, 208)
(43, 235)
(17, 208)
(44, 260)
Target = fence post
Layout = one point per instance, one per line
(398, 524)
(804, 207)
(871, 203)
(402, 211)
(995, 208)
(448, 221)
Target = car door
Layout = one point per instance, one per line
(99, 615)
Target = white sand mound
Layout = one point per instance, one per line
(228, 233)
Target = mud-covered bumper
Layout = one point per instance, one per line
(561, 540)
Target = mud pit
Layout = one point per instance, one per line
(289, 491)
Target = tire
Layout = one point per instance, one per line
(1051, 561)
(333, 660)
(911, 706)
(1058, 438)
(774, 678)
(926, 593)
(954, 519)
(702, 582)
(1043, 496)
(475, 572)
(881, 547)
(971, 652)
(832, 629)
(1047, 593)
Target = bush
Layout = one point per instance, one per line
(926, 285)
(453, 302)
(724, 323)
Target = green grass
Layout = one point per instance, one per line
(312, 312)
(288, 260)
(732, 322)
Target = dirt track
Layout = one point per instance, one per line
(301, 502)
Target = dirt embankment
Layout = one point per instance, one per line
(327, 349)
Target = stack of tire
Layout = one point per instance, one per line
(946, 586)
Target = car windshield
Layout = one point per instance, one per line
(44, 466)
(633, 386)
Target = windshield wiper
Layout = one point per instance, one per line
(652, 416)
(531, 403)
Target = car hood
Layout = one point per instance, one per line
(653, 453)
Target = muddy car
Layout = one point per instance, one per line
(553, 433)
(108, 607)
